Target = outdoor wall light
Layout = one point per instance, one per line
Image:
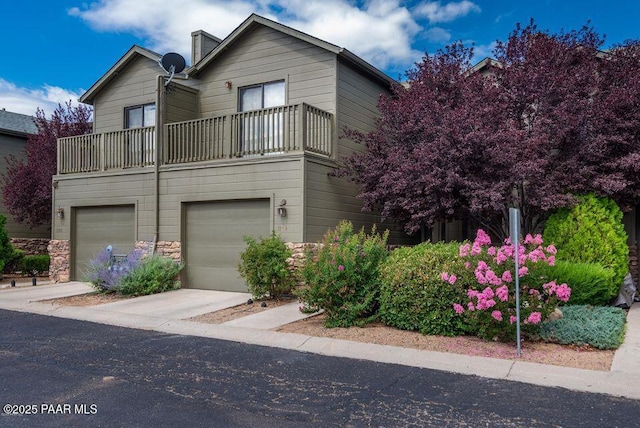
(60, 212)
(282, 211)
(228, 84)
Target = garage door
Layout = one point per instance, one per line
(96, 227)
(213, 236)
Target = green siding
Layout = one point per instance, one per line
(135, 85)
(254, 178)
(327, 199)
(265, 55)
(103, 190)
(181, 103)
(330, 199)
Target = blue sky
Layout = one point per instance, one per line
(52, 51)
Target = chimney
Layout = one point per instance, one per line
(201, 44)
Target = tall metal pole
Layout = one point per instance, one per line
(514, 229)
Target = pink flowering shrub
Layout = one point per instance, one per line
(490, 307)
(341, 276)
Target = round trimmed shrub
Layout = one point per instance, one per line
(265, 268)
(341, 276)
(591, 232)
(413, 295)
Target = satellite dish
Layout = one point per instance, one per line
(173, 62)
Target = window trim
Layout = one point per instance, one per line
(142, 107)
(261, 85)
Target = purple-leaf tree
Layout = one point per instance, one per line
(552, 118)
(27, 184)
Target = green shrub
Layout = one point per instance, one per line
(591, 232)
(14, 261)
(154, 274)
(6, 249)
(341, 276)
(264, 266)
(600, 327)
(35, 265)
(413, 295)
(590, 283)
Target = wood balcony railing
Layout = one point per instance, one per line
(266, 132)
(129, 148)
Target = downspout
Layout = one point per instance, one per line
(160, 91)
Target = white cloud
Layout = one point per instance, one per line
(167, 25)
(27, 101)
(436, 12)
(381, 32)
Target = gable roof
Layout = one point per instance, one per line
(485, 64)
(17, 124)
(255, 20)
(131, 54)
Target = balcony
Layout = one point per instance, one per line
(267, 132)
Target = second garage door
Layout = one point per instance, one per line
(96, 227)
(213, 240)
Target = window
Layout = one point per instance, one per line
(261, 131)
(140, 116)
(140, 143)
(262, 96)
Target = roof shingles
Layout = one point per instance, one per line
(16, 123)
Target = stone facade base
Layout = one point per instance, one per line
(170, 249)
(60, 253)
(31, 246)
(299, 255)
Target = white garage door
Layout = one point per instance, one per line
(213, 241)
(96, 227)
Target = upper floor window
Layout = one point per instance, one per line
(140, 116)
(261, 96)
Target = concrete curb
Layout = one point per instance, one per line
(623, 380)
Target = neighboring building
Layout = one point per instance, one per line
(15, 129)
(242, 143)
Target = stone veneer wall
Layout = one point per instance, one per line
(633, 264)
(59, 266)
(170, 249)
(299, 253)
(31, 246)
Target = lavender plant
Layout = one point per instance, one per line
(105, 275)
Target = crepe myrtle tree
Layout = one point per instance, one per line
(553, 117)
(27, 183)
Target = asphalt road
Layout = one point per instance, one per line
(60, 372)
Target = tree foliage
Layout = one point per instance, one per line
(553, 117)
(591, 232)
(27, 183)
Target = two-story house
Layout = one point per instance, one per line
(242, 143)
